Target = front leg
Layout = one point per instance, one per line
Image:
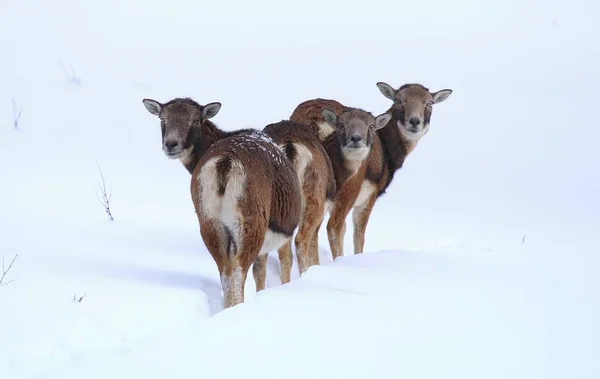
(360, 218)
(336, 226)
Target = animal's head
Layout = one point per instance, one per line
(355, 130)
(412, 107)
(180, 123)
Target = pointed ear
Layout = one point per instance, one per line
(210, 110)
(387, 90)
(329, 116)
(382, 120)
(152, 106)
(441, 95)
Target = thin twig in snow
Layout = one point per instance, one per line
(78, 300)
(5, 270)
(348, 291)
(16, 114)
(523, 240)
(105, 200)
(70, 74)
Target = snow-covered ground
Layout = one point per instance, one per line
(482, 260)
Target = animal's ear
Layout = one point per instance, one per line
(210, 110)
(329, 116)
(387, 90)
(382, 120)
(441, 95)
(152, 106)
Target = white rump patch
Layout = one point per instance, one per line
(273, 241)
(303, 159)
(366, 190)
(222, 208)
(325, 130)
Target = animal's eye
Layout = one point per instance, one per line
(429, 103)
(340, 125)
(196, 121)
(371, 127)
(396, 101)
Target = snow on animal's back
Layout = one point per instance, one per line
(252, 147)
(268, 177)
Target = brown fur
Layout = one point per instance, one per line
(310, 113)
(317, 186)
(387, 155)
(349, 173)
(243, 166)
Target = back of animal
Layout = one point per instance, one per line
(310, 113)
(304, 149)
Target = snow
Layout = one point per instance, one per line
(481, 260)
(259, 140)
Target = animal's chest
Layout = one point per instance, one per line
(366, 190)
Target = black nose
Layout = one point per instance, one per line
(170, 144)
(356, 138)
(414, 121)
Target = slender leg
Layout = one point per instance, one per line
(336, 227)
(360, 218)
(233, 278)
(312, 218)
(314, 249)
(259, 270)
(285, 260)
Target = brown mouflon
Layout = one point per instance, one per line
(409, 122)
(317, 186)
(244, 189)
(348, 135)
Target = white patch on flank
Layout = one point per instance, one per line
(366, 190)
(273, 241)
(223, 208)
(328, 207)
(303, 159)
(325, 130)
(233, 284)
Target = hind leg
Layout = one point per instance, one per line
(233, 279)
(232, 273)
(307, 232)
(305, 239)
(285, 260)
(259, 270)
(229, 270)
(314, 245)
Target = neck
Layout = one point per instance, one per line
(396, 146)
(341, 170)
(202, 140)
